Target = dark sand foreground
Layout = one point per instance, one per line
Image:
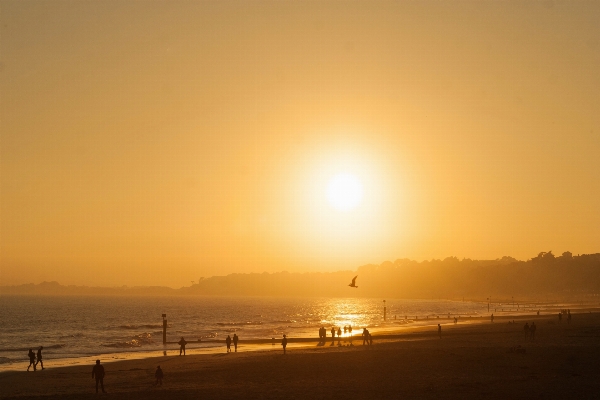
(470, 361)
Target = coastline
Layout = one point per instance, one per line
(469, 358)
(392, 330)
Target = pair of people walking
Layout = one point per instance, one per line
(32, 359)
(234, 340)
(529, 331)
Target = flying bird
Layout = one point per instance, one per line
(353, 284)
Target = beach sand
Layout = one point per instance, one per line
(470, 361)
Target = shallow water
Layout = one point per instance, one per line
(81, 327)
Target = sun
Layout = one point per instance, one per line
(344, 192)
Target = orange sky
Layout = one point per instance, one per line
(152, 143)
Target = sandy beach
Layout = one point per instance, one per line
(469, 361)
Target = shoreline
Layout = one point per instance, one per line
(392, 330)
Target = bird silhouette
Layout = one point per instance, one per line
(353, 284)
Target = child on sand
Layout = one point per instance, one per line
(158, 375)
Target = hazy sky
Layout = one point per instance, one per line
(158, 142)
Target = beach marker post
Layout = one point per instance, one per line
(164, 317)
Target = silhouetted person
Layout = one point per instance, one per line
(350, 334)
(339, 333)
(158, 375)
(182, 344)
(440, 331)
(559, 317)
(235, 340)
(31, 355)
(98, 373)
(332, 332)
(284, 343)
(526, 330)
(228, 342)
(538, 312)
(345, 329)
(532, 329)
(365, 336)
(492, 317)
(39, 357)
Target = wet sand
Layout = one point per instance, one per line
(470, 361)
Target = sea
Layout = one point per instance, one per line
(75, 329)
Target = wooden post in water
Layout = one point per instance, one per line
(164, 316)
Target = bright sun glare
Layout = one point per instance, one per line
(344, 192)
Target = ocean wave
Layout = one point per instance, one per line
(53, 346)
(137, 341)
(238, 323)
(5, 360)
(145, 326)
(75, 335)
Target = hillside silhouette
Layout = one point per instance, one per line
(565, 276)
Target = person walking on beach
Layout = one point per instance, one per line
(39, 357)
(31, 355)
(333, 333)
(339, 333)
(228, 342)
(526, 330)
(365, 336)
(158, 375)
(284, 343)
(532, 329)
(492, 317)
(559, 317)
(98, 373)
(440, 331)
(182, 344)
(235, 340)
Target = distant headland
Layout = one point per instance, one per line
(576, 277)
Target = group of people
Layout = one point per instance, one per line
(529, 331)
(235, 342)
(323, 332)
(35, 359)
